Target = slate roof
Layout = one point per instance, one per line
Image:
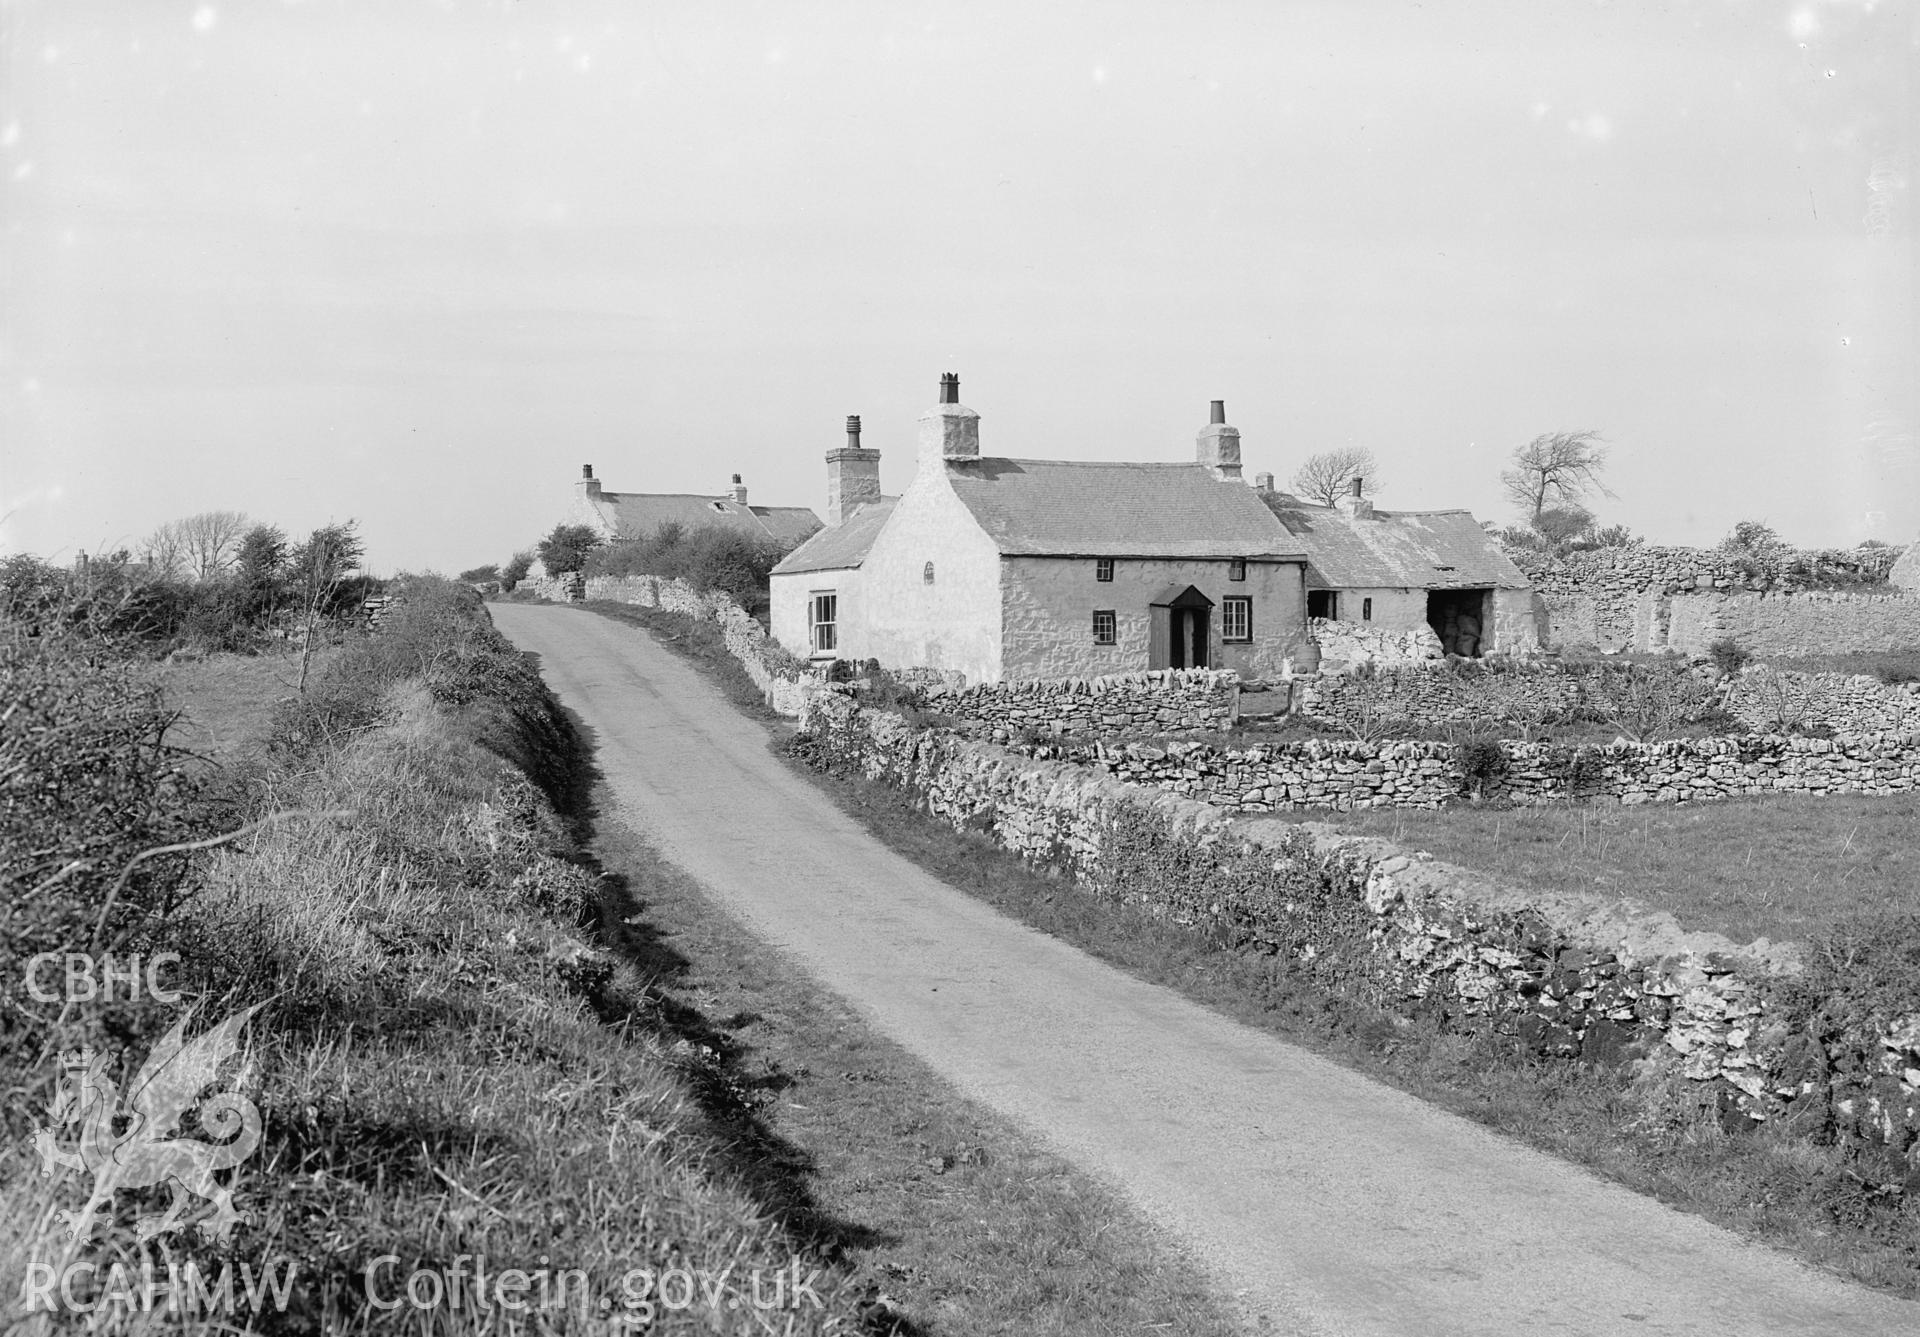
(1078, 508)
(843, 545)
(637, 514)
(1398, 550)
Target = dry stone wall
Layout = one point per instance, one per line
(1819, 622)
(1438, 695)
(1679, 570)
(1650, 599)
(1343, 774)
(1162, 701)
(1353, 643)
(1764, 699)
(1417, 937)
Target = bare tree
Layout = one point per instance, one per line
(1328, 476)
(1557, 469)
(212, 541)
(322, 565)
(165, 550)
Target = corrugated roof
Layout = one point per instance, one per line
(1398, 550)
(637, 514)
(1077, 508)
(842, 546)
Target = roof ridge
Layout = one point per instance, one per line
(1081, 464)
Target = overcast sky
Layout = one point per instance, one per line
(414, 263)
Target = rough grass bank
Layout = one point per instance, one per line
(455, 1112)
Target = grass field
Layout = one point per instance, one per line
(227, 701)
(1782, 867)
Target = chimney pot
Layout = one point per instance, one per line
(1357, 489)
(853, 475)
(586, 471)
(949, 430)
(1218, 445)
(736, 478)
(1263, 482)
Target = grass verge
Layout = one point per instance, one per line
(1668, 1141)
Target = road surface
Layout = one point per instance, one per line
(1339, 1206)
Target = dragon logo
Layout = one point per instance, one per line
(146, 1153)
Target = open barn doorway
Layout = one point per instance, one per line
(1463, 620)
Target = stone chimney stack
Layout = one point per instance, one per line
(1218, 445)
(1355, 505)
(588, 486)
(738, 490)
(853, 475)
(949, 431)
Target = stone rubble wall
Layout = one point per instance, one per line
(1343, 774)
(1819, 622)
(1845, 705)
(1358, 643)
(1570, 979)
(1762, 698)
(1650, 599)
(1679, 570)
(1437, 695)
(568, 588)
(1162, 701)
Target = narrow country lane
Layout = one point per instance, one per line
(1340, 1206)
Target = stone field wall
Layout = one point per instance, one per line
(1760, 697)
(1844, 705)
(1438, 695)
(1343, 774)
(1419, 938)
(1651, 599)
(1163, 701)
(1819, 622)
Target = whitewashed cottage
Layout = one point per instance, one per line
(1005, 568)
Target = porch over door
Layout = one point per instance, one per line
(1179, 628)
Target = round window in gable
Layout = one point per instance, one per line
(926, 574)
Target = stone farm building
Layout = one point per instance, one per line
(632, 515)
(1423, 572)
(1004, 569)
